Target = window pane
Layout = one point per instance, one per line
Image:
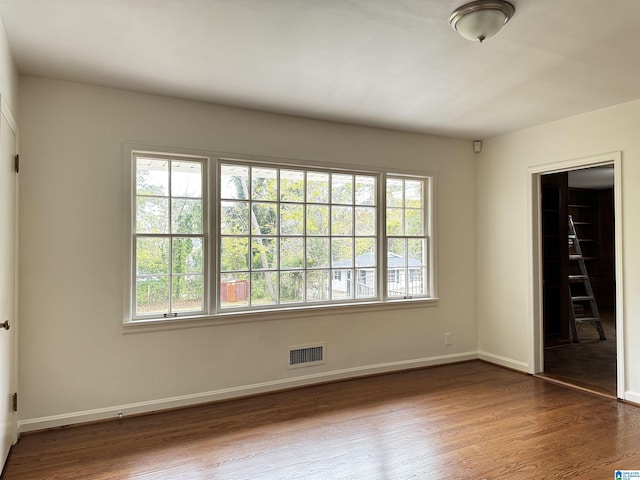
(291, 185)
(342, 221)
(396, 252)
(396, 286)
(365, 190)
(152, 215)
(186, 179)
(341, 188)
(416, 252)
(417, 281)
(342, 284)
(264, 183)
(413, 222)
(317, 187)
(264, 253)
(152, 177)
(417, 261)
(366, 279)
(291, 253)
(152, 256)
(291, 219)
(365, 252)
(265, 219)
(317, 285)
(188, 293)
(291, 287)
(234, 181)
(413, 193)
(317, 252)
(234, 218)
(317, 220)
(365, 221)
(234, 290)
(152, 294)
(264, 288)
(395, 189)
(186, 216)
(187, 255)
(395, 224)
(396, 271)
(234, 253)
(341, 252)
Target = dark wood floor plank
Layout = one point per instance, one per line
(466, 421)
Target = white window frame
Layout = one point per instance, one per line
(212, 313)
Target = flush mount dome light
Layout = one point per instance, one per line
(481, 19)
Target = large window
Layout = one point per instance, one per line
(293, 236)
(285, 236)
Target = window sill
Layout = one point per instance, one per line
(231, 318)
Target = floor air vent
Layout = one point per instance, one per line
(306, 355)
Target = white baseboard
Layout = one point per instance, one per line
(504, 361)
(114, 412)
(633, 397)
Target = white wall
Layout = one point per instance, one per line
(503, 227)
(75, 362)
(8, 75)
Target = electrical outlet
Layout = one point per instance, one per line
(447, 338)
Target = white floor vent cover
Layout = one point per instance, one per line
(305, 356)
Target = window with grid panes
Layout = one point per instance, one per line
(296, 236)
(407, 239)
(168, 241)
(285, 236)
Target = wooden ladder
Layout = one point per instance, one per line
(583, 303)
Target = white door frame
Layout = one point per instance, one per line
(536, 347)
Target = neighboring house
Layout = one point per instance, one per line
(365, 280)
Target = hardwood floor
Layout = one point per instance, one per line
(590, 364)
(464, 421)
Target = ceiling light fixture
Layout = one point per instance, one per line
(481, 19)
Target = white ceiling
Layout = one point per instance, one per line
(388, 63)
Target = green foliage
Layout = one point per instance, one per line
(264, 218)
(235, 254)
(291, 252)
(291, 287)
(317, 220)
(264, 253)
(394, 221)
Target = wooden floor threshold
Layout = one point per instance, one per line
(583, 387)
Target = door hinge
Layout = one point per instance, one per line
(15, 401)
(17, 163)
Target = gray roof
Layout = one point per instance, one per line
(367, 260)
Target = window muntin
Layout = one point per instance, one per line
(407, 239)
(168, 241)
(292, 236)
